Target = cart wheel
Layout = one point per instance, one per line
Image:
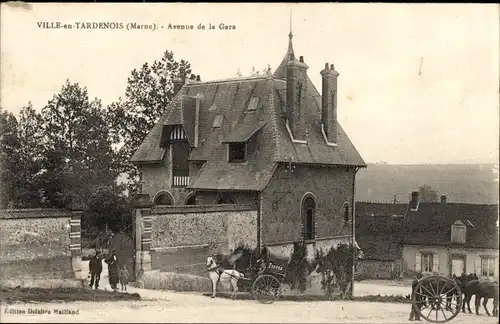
(266, 289)
(437, 299)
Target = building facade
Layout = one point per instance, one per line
(272, 142)
(441, 238)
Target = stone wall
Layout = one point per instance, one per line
(282, 199)
(180, 238)
(157, 178)
(379, 269)
(220, 227)
(39, 245)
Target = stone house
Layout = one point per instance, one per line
(443, 238)
(272, 142)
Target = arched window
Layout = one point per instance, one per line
(225, 198)
(164, 198)
(346, 212)
(308, 217)
(191, 199)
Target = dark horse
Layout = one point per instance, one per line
(481, 289)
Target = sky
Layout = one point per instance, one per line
(418, 84)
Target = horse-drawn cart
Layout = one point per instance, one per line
(267, 287)
(437, 299)
(264, 276)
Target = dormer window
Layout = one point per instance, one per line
(458, 232)
(218, 119)
(252, 105)
(237, 152)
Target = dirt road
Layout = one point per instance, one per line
(159, 306)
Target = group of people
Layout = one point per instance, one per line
(115, 274)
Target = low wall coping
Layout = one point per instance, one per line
(160, 210)
(320, 239)
(176, 248)
(35, 213)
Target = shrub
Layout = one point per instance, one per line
(296, 275)
(336, 270)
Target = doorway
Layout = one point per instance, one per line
(457, 265)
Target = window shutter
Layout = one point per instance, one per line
(477, 266)
(435, 263)
(418, 262)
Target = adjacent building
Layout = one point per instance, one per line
(443, 238)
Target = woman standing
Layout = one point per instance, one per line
(112, 270)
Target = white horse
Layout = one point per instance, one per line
(226, 277)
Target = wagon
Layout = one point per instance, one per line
(267, 277)
(437, 299)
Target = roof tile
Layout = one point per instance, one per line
(231, 98)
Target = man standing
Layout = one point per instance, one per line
(419, 300)
(95, 268)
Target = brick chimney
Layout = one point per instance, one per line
(414, 203)
(179, 80)
(178, 83)
(329, 102)
(444, 205)
(296, 87)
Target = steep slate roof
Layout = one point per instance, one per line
(378, 232)
(266, 125)
(429, 225)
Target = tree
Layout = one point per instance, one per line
(78, 153)
(427, 194)
(148, 93)
(28, 158)
(9, 144)
(106, 206)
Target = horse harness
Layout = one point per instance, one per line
(219, 270)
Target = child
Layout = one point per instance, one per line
(124, 277)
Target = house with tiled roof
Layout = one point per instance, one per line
(442, 237)
(270, 141)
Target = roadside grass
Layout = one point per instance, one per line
(27, 295)
(399, 299)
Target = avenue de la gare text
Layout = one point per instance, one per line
(132, 26)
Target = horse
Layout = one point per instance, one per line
(481, 289)
(226, 277)
(487, 290)
(469, 288)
